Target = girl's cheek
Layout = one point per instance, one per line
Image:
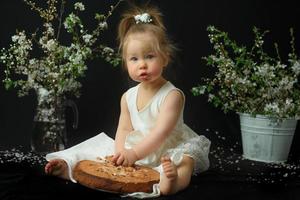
(131, 73)
(157, 70)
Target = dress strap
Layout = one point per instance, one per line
(131, 97)
(166, 90)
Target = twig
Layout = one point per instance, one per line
(62, 8)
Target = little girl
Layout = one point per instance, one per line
(151, 130)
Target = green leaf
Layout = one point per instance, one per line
(8, 84)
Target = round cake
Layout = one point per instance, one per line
(105, 175)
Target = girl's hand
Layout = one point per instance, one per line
(125, 157)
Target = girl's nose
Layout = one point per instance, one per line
(143, 65)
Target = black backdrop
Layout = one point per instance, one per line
(103, 85)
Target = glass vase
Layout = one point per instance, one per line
(49, 132)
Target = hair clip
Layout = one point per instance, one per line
(143, 18)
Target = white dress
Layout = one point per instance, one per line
(182, 140)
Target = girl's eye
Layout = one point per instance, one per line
(133, 59)
(150, 56)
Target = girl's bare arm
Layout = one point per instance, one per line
(124, 126)
(167, 119)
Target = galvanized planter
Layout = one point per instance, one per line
(266, 139)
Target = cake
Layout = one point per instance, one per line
(104, 175)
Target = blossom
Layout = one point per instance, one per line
(79, 6)
(50, 45)
(103, 25)
(58, 67)
(296, 67)
(249, 80)
(87, 38)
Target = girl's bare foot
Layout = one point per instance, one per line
(57, 167)
(167, 184)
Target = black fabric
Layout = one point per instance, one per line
(229, 177)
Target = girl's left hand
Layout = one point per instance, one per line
(126, 157)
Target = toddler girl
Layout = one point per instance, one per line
(151, 130)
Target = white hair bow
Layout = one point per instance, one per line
(143, 18)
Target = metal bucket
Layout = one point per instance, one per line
(266, 139)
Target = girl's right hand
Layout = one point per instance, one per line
(126, 157)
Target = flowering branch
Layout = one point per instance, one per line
(58, 67)
(251, 81)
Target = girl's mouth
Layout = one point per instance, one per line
(143, 75)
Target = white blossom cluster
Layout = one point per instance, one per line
(251, 81)
(58, 67)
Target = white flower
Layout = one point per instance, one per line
(211, 97)
(296, 67)
(15, 38)
(103, 25)
(49, 29)
(272, 107)
(199, 90)
(21, 38)
(108, 50)
(43, 93)
(51, 45)
(288, 102)
(87, 38)
(79, 6)
(31, 77)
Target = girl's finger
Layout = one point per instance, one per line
(120, 160)
(115, 157)
(125, 163)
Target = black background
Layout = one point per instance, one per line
(103, 84)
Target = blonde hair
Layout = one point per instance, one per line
(128, 26)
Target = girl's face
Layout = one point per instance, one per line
(142, 62)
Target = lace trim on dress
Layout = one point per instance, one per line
(197, 148)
